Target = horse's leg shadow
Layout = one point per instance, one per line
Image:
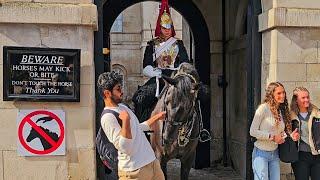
(186, 164)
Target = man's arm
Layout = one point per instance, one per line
(119, 136)
(145, 126)
(148, 64)
(148, 55)
(126, 128)
(183, 55)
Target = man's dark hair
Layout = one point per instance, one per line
(107, 81)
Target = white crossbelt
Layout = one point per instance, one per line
(159, 50)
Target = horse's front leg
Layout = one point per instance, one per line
(186, 164)
(163, 164)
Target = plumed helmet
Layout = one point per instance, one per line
(164, 19)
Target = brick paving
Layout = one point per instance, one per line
(216, 173)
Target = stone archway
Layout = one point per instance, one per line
(109, 10)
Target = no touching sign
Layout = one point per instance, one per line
(41, 132)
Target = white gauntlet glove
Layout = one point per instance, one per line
(152, 72)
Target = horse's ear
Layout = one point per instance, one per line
(195, 86)
(169, 80)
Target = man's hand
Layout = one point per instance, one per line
(156, 117)
(295, 135)
(124, 116)
(160, 115)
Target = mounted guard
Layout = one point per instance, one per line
(163, 55)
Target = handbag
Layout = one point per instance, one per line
(288, 151)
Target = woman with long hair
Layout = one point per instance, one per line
(306, 116)
(268, 127)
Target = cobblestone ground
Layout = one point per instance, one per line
(217, 173)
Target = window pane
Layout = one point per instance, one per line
(117, 25)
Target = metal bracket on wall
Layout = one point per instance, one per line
(222, 81)
(105, 51)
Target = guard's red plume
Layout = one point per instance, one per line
(164, 7)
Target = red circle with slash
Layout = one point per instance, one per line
(27, 120)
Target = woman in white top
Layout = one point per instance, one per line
(268, 127)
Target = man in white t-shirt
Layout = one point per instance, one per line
(136, 157)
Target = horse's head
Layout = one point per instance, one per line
(33, 134)
(181, 94)
(179, 101)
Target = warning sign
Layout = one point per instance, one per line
(41, 132)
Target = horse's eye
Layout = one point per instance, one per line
(167, 102)
(195, 86)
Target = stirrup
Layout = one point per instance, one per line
(204, 135)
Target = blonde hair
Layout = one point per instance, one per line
(294, 104)
(275, 108)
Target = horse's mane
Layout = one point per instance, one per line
(186, 68)
(182, 90)
(184, 84)
(53, 135)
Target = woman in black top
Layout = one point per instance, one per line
(305, 116)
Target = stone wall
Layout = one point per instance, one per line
(290, 54)
(126, 49)
(290, 40)
(51, 24)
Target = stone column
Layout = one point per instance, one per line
(290, 47)
(51, 24)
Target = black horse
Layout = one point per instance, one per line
(177, 136)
